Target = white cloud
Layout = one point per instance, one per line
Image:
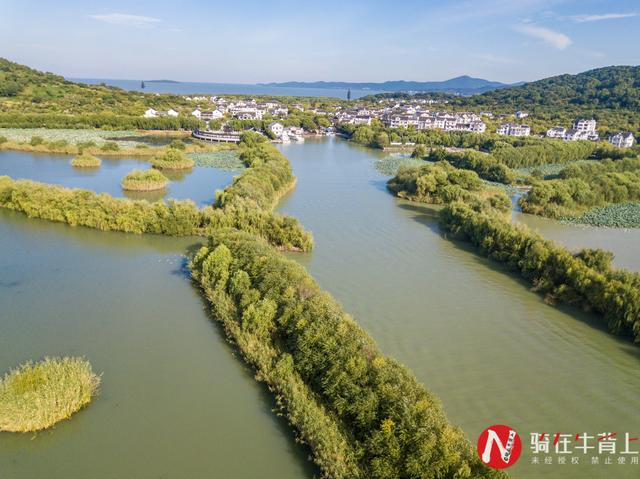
(553, 38)
(127, 20)
(491, 58)
(604, 16)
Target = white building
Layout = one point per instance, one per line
(197, 113)
(477, 127)
(513, 129)
(557, 132)
(150, 113)
(172, 112)
(277, 129)
(622, 140)
(584, 124)
(362, 120)
(521, 114)
(213, 115)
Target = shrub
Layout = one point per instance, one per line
(36, 140)
(420, 151)
(585, 186)
(440, 183)
(485, 165)
(110, 146)
(177, 144)
(3, 139)
(37, 396)
(144, 180)
(85, 161)
(85, 145)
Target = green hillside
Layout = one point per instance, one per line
(31, 91)
(30, 98)
(615, 87)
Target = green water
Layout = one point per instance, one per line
(176, 402)
(475, 335)
(198, 183)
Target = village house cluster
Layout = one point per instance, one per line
(583, 129)
(241, 110)
(393, 113)
(218, 107)
(414, 113)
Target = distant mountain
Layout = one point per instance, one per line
(462, 85)
(614, 87)
(162, 81)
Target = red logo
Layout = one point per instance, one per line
(499, 446)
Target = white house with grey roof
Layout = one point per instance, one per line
(623, 139)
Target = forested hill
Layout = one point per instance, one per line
(25, 90)
(615, 87)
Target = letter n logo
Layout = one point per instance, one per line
(499, 446)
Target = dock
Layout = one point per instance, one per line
(217, 136)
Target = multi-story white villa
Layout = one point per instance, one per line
(513, 129)
(622, 140)
(556, 132)
(584, 124)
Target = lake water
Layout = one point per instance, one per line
(190, 88)
(198, 184)
(474, 334)
(175, 400)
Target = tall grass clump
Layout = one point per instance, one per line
(144, 180)
(172, 159)
(85, 160)
(36, 396)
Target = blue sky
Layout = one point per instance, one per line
(259, 41)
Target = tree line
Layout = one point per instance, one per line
(362, 414)
(585, 279)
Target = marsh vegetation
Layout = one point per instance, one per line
(36, 396)
(144, 180)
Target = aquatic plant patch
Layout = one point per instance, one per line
(390, 165)
(36, 396)
(221, 160)
(71, 136)
(625, 215)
